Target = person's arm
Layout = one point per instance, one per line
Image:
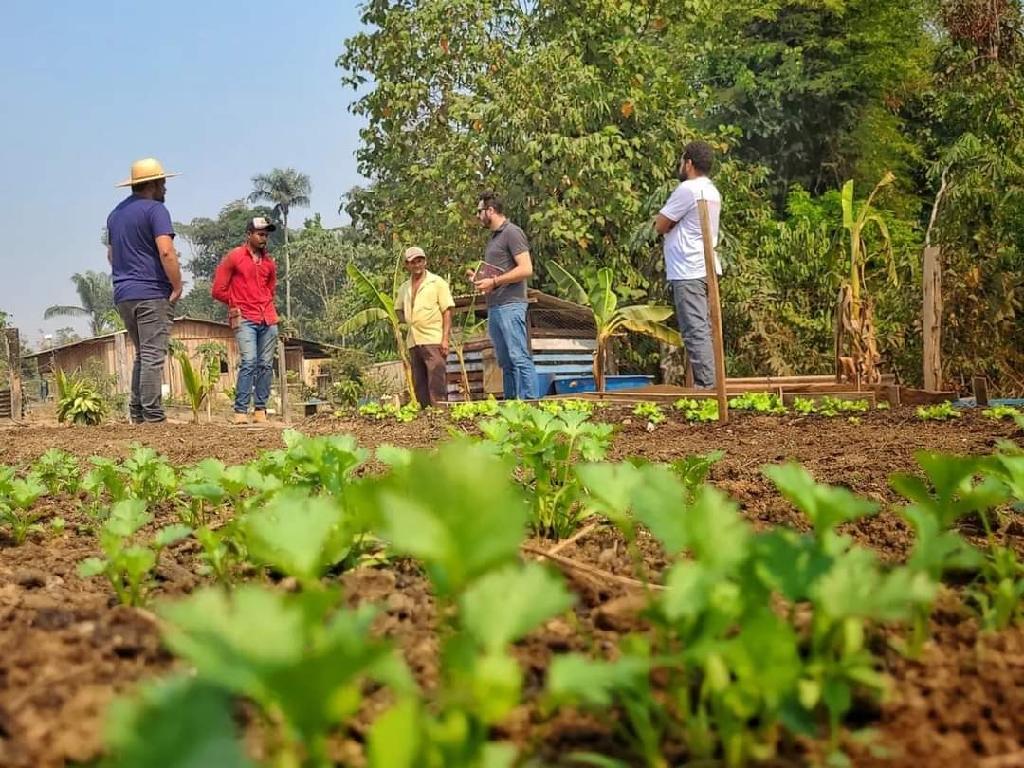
(679, 202)
(400, 303)
(169, 260)
(222, 280)
(663, 224)
(110, 256)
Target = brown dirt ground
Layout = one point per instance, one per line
(66, 650)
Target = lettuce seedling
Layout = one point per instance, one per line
(697, 410)
(127, 564)
(651, 412)
(938, 412)
(150, 476)
(16, 507)
(758, 402)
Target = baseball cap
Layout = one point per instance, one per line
(259, 223)
(415, 252)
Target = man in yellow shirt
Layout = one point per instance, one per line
(424, 301)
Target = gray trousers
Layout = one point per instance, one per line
(149, 325)
(691, 301)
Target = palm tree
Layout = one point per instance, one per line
(96, 301)
(284, 187)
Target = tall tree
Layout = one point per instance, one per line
(96, 302)
(285, 188)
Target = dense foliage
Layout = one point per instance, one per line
(577, 111)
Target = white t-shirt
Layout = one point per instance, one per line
(684, 245)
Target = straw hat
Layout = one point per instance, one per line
(147, 169)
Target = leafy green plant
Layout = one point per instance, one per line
(17, 502)
(609, 318)
(149, 476)
(833, 406)
(651, 412)
(697, 410)
(938, 412)
(1000, 412)
(546, 447)
(200, 379)
(465, 525)
(128, 561)
(471, 410)
(758, 402)
(403, 414)
(299, 657)
(57, 470)
(78, 400)
(804, 406)
(558, 407)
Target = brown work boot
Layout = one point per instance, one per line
(241, 418)
(259, 417)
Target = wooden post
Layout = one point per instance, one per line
(122, 378)
(931, 318)
(282, 370)
(715, 308)
(14, 360)
(980, 390)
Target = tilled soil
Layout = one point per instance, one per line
(66, 649)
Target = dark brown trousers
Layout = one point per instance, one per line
(428, 374)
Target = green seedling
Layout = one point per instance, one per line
(697, 410)
(804, 406)
(833, 406)
(299, 657)
(558, 407)
(129, 561)
(546, 448)
(58, 470)
(939, 412)
(57, 526)
(303, 536)
(651, 412)
(378, 412)
(758, 402)
(1001, 412)
(178, 722)
(16, 507)
(473, 409)
(105, 482)
(150, 476)
(222, 552)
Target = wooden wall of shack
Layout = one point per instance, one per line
(114, 354)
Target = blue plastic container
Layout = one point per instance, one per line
(545, 384)
(568, 385)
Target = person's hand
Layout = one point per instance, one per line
(469, 274)
(486, 285)
(444, 348)
(175, 295)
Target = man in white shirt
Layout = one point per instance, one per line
(679, 223)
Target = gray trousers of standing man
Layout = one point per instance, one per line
(148, 323)
(691, 301)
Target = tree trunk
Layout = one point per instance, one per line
(287, 272)
(599, 365)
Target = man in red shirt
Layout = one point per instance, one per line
(246, 280)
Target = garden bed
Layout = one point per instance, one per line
(67, 649)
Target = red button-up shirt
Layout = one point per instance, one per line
(243, 282)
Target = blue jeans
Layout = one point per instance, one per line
(256, 345)
(506, 325)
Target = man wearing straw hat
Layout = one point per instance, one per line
(424, 301)
(147, 281)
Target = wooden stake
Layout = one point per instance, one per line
(931, 318)
(715, 307)
(14, 361)
(980, 390)
(283, 375)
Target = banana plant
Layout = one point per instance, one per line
(611, 319)
(854, 311)
(382, 308)
(202, 378)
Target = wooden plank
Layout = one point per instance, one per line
(282, 369)
(543, 344)
(980, 390)
(14, 367)
(910, 396)
(931, 318)
(715, 307)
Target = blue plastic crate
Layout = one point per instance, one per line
(568, 385)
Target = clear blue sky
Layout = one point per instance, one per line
(218, 91)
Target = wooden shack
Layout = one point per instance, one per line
(562, 338)
(112, 354)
